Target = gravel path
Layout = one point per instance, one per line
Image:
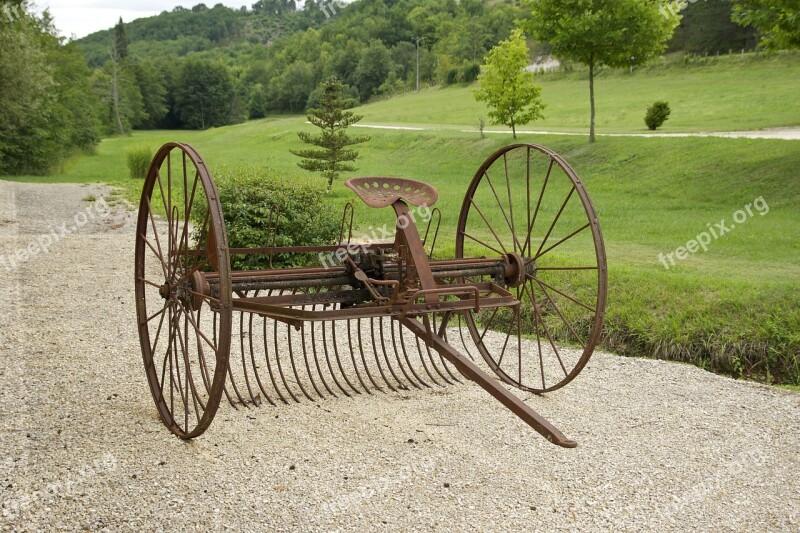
(790, 133)
(662, 446)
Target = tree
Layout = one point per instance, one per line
(274, 7)
(778, 21)
(372, 69)
(121, 39)
(333, 154)
(117, 87)
(46, 108)
(204, 94)
(616, 33)
(506, 87)
(153, 87)
(706, 28)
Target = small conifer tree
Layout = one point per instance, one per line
(333, 153)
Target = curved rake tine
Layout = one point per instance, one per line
(385, 355)
(201, 355)
(216, 343)
(255, 366)
(397, 355)
(353, 358)
(427, 322)
(269, 366)
(419, 353)
(305, 360)
(335, 344)
(445, 364)
(278, 361)
(316, 360)
(244, 353)
(361, 351)
(328, 361)
(294, 366)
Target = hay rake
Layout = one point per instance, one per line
(524, 295)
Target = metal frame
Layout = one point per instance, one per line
(398, 282)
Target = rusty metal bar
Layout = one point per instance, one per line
(472, 372)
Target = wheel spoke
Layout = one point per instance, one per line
(567, 296)
(148, 282)
(157, 313)
(197, 329)
(158, 332)
(564, 239)
(467, 235)
(561, 315)
(488, 225)
(555, 221)
(546, 331)
(566, 268)
(538, 205)
(197, 267)
(160, 253)
(503, 212)
(491, 320)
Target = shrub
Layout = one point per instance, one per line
(470, 72)
(451, 77)
(139, 161)
(657, 114)
(251, 197)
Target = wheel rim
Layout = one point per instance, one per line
(184, 332)
(526, 200)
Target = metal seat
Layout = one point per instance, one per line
(383, 192)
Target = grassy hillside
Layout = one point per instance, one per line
(733, 308)
(708, 94)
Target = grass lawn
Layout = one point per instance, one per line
(728, 93)
(734, 308)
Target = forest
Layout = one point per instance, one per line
(213, 66)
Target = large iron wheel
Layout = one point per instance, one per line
(527, 204)
(184, 327)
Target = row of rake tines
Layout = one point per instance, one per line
(320, 360)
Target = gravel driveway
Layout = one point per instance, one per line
(662, 446)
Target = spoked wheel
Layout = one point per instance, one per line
(527, 204)
(184, 329)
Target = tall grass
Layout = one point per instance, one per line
(138, 159)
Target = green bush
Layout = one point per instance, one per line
(470, 72)
(451, 77)
(250, 199)
(656, 115)
(139, 161)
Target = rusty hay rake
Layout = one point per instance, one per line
(523, 298)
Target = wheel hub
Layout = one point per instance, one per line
(517, 268)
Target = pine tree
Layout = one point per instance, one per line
(121, 39)
(330, 116)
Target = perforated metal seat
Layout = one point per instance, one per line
(383, 192)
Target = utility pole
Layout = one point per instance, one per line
(418, 39)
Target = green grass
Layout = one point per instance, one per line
(733, 308)
(717, 94)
